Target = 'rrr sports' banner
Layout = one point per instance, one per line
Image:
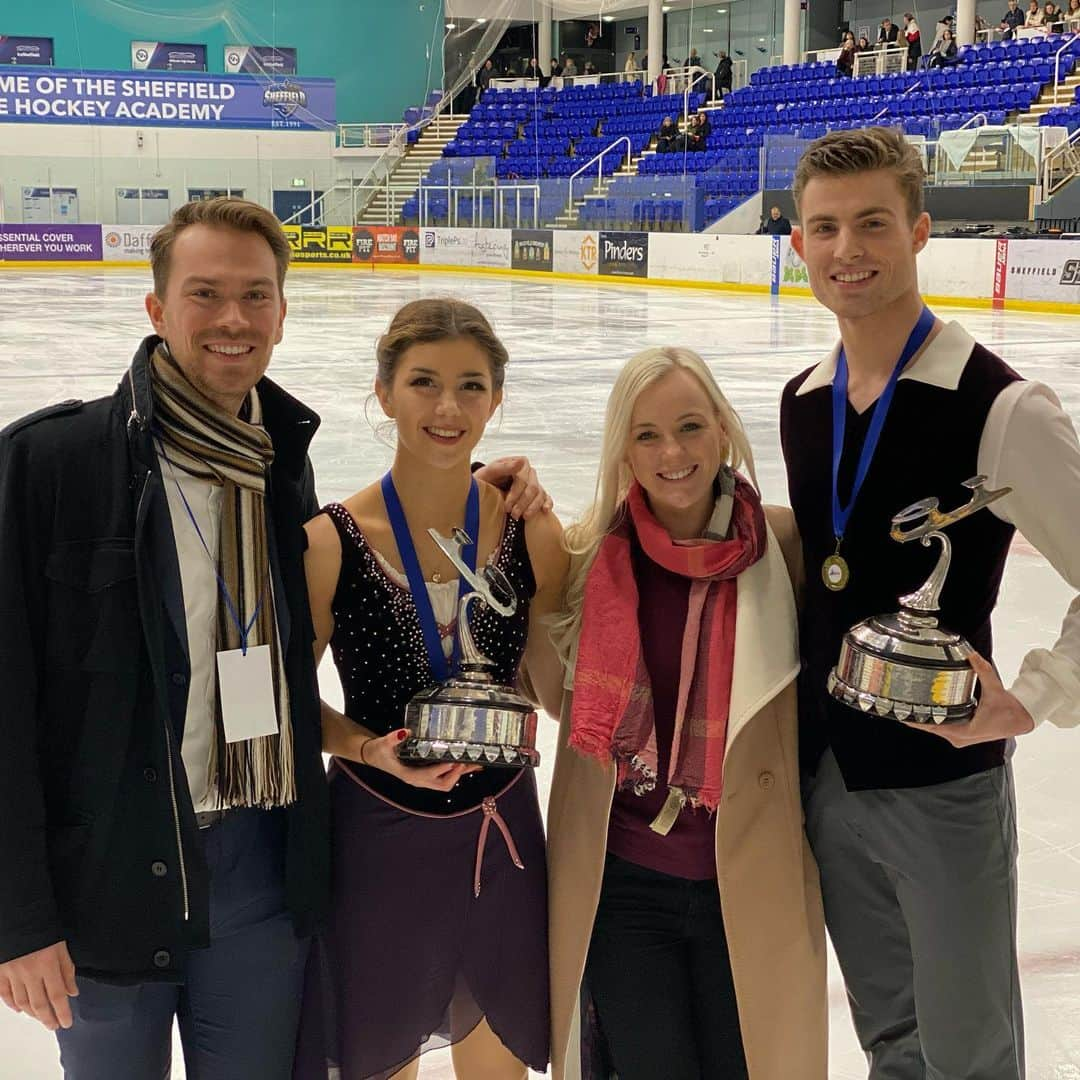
(156, 99)
(320, 243)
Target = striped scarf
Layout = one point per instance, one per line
(203, 440)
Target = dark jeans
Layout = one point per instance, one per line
(239, 1006)
(659, 974)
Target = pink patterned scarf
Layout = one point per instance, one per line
(612, 711)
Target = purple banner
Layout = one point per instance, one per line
(259, 60)
(26, 50)
(165, 56)
(154, 99)
(50, 243)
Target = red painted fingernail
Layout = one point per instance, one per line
(403, 734)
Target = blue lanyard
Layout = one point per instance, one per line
(243, 629)
(440, 666)
(840, 514)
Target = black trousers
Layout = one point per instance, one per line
(660, 977)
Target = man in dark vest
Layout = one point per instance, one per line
(164, 822)
(914, 828)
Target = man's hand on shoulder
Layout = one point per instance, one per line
(517, 479)
(999, 715)
(39, 984)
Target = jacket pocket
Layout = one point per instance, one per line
(93, 605)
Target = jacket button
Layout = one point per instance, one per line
(162, 958)
(179, 678)
(150, 775)
(766, 780)
(158, 869)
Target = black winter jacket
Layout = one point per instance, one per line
(98, 841)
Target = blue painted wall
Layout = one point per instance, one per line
(377, 50)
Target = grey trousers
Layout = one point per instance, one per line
(239, 1007)
(919, 887)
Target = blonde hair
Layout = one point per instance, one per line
(583, 538)
(845, 153)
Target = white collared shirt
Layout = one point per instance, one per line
(1029, 444)
(198, 580)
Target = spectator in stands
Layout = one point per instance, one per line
(629, 68)
(845, 62)
(483, 78)
(1012, 20)
(569, 68)
(591, 68)
(944, 52)
(1072, 18)
(533, 70)
(698, 132)
(668, 137)
(890, 32)
(775, 224)
(693, 60)
(1053, 19)
(1034, 16)
(864, 43)
(724, 72)
(846, 37)
(556, 69)
(914, 41)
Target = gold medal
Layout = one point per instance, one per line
(835, 572)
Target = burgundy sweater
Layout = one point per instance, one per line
(689, 849)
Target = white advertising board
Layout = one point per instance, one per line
(126, 243)
(957, 267)
(466, 247)
(710, 257)
(1042, 270)
(574, 252)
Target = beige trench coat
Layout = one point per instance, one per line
(767, 877)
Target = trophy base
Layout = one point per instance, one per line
(416, 751)
(905, 711)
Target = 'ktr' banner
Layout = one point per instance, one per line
(156, 99)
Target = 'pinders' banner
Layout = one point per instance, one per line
(160, 99)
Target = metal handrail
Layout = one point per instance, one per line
(558, 82)
(1065, 151)
(971, 120)
(600, 167)
(498, 194)
(689, 89)
(357, 136)
(1057, 62)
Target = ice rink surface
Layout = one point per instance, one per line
(71, 334)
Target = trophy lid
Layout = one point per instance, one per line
(910, 638)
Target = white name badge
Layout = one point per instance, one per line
(246, 688)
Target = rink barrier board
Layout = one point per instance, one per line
(1017, 275)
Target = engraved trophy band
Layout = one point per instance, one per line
(905, 666)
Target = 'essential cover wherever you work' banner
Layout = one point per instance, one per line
(49, 243)
(156, 99)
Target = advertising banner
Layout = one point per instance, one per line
(531, 249)
(1001, 269)
(26, 50)
(152, 99)
(575, 252)
(127, 243)
(624, 254)
(166, 56)
(50, 243)
(320, 243)
(695, 257)
(385, 244)
(259, 60)
(466, 247)
(1042, 270)
(792, 273)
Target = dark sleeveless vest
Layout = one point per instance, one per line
(929, 445)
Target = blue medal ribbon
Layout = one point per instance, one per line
(841, 514)
(244, 629)
(440, 666)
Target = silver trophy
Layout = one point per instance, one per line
(470, 718)
(904, 665)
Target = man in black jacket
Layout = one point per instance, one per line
(164, 845)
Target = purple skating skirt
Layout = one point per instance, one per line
(436, 922)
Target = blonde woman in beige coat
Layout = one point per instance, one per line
(636, 893)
